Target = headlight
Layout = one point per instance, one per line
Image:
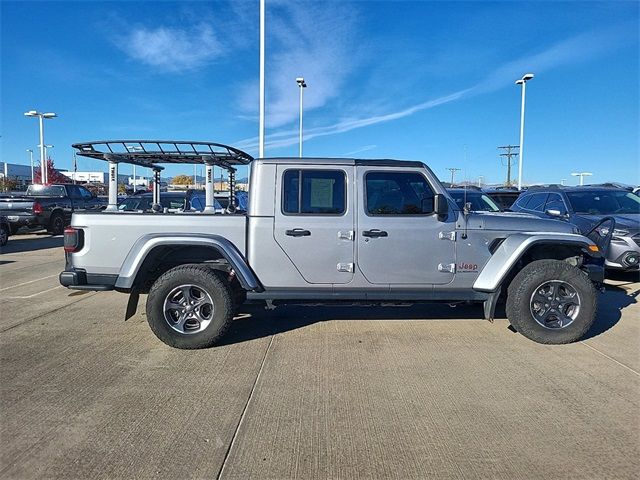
(604, 231)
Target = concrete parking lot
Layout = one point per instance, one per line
(406, 392)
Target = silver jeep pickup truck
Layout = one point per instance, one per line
(324, 230)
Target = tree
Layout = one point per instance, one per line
(182, 180)
(6, 184)
(53, 175)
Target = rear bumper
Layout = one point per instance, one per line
(21, 220)
(78, 279)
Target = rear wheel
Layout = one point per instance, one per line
(550, 301)
(4, 234)
(190, 306)
(56, 224)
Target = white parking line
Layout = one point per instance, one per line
(34, 294)
(27, 283)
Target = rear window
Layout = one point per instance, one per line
(46, 190)
(314, 192)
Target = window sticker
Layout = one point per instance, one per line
(322, 192)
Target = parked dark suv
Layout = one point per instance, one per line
(585, 207)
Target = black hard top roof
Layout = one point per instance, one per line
(149, 153)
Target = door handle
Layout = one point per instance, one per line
(298, 232)
(374, 233)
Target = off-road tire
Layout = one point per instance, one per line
(56, 224)
(525, 283)
(204, 278)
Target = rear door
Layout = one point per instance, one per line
(314, 223)
(399, 236)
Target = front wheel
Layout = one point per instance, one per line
(190, 306)
(551, 301)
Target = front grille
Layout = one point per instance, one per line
(636, 238)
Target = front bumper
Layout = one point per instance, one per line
(595, 272)
(78, 279)
(624, 254)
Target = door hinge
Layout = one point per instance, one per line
(447, 236)
(345, 267)
(348, 235)
(447, 268)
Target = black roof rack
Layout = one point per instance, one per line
(148, 153)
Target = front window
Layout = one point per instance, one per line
(604, 202)
(398, 193)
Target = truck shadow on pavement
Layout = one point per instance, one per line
(30, 243)
(612, 302)
(256, 322)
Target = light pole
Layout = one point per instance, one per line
(302, 85)
(135, 148)
(262, 48)
(31, 162)
(75, 167)
(41, 117)
(582, 175)
(45, 175)
(523, 82)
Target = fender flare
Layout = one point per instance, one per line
(145, 244)
(513, 248)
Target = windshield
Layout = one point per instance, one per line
(46, 190)
(479, 201)
(605, 202)
(132, 204)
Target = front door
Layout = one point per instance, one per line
(314, 223)
(398, 236)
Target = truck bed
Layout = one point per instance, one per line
(110, 236)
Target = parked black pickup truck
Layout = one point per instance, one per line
(48, 206)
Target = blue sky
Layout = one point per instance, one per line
(430, 81)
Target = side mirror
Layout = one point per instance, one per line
(552, 212)
(427, 204)
(441, 206)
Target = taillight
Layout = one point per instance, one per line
(37, 208)
(73, 239)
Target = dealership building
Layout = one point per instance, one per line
(15, 171)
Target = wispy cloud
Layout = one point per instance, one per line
(172, 49)
(571, 51)
(363, 149)
(309, 39)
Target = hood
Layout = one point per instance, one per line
(628, 221)
(514, 222)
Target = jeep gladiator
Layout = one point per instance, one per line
(322, 230)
